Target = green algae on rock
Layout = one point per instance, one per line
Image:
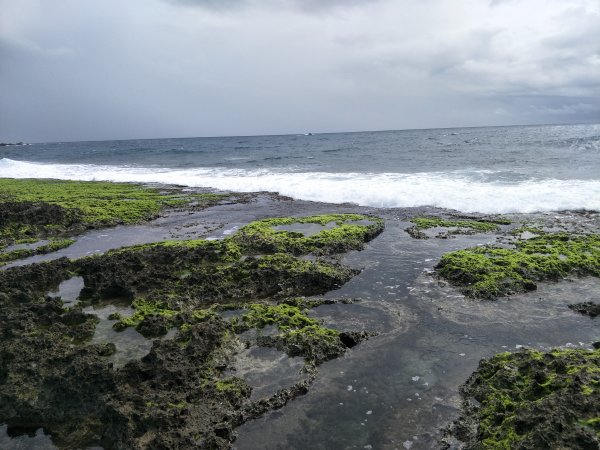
(489, 271)
(459, 226)
(299, 334)
(350, 232)
(51, 376)
(424, 223)
(285, 316)
(203, 275)
(532, 399)
(42, 208)
(203, 272)
(150, 319)
(173, 282)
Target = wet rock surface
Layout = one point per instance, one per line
(204, 274)
(400, 389)
(174, 397)
(586, 308)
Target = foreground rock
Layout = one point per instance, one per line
(179, 395)
(530, 400)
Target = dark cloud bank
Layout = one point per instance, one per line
(73, 70)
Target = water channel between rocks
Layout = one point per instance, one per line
(400, 388)
(396, 390)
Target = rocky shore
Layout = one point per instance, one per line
(198, 302)
(176, 396)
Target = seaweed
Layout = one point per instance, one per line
(261, 237)
(483, 226)
(299, 334)
(33, 208)
(490, 271)
(532, 399)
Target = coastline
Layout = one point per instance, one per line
(342, 298)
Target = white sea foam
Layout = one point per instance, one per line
(456, 190)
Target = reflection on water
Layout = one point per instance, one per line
(307, 229)
(365, 315)
(267, 370)
(174, 226)
(69, 290)
(129, 343)
(29, 246)
(36, 440)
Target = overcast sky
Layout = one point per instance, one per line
(113, 69)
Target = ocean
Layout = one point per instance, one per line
(488, 170)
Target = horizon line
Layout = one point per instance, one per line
(308, 133)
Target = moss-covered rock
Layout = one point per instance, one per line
(201, 272)
(299, 334)
(175, 397)
(197, 277)
(532, 399)
(453, 226)
(178, 395)
(350, 232)
(285, 316)
(424, 223)
(45, 208)
(490, 272)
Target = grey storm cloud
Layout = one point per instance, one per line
(73, 70)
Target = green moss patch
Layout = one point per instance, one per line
(262, 237)
(40, 208)
(143, 309)
(299, 334)
(532, 399)
(285, 316)
(453, 227)
(424, 223)
(490, 272)
(153, 319)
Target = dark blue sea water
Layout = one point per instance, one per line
(491, 169)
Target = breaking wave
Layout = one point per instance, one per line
(460, 190)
